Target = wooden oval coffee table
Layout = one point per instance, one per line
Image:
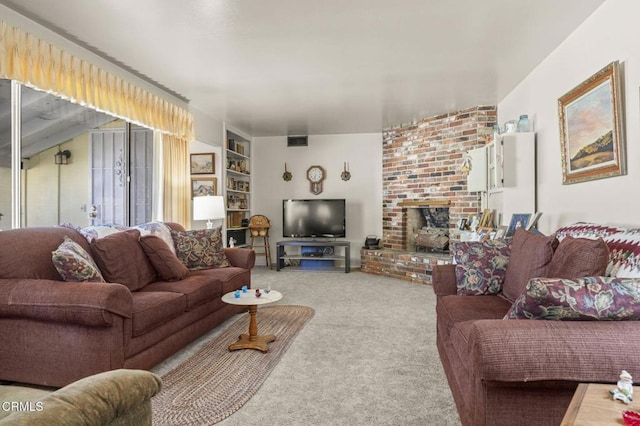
(252, 340)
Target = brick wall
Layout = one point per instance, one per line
(421, 161)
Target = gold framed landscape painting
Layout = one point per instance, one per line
(202, 163)
(203, 186)
(592, 128)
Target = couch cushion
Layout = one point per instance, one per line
(530, 257)
(480, 266)
(589, 298)
(454, 309)
(122, 260)
(197, 289)
(163, 259)
(231, 278)
(579, 257)
(74, 263)
(151, 309)
(624, 259)
(200, 249)
(158, 229)
(26, 252)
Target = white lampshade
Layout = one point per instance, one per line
(208, 207)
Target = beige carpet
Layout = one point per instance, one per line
(213, 383)
(368, 357)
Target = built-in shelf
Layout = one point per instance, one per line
(237, 185)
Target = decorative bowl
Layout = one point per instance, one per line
(631, 418)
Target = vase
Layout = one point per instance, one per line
(523, 123)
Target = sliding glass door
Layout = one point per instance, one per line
(58, 154)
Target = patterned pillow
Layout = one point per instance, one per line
(590, 298)
(480, 266)
(624, 257)
(586, 230)
(200, 249)
(74, 264)
(158, 229)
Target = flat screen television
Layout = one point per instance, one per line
(313, 218)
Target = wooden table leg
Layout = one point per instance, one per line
(253, 340)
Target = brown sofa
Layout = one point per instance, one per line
(525, 371)
(53, 333)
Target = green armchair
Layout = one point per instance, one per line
(117, 397)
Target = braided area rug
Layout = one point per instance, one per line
(215, 382)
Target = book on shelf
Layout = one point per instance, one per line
(234, 219)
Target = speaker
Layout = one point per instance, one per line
(297, 141)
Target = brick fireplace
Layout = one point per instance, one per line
(426, 226)
(421, 166)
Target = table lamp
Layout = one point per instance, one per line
(208, 207)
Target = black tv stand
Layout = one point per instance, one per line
(314, 256)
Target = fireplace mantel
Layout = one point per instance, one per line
(424, 203)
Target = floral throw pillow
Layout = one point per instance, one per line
(200, 249)
(589, 298)
(74, 264)
(480, 266)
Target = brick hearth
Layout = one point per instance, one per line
(409, 266)
(421, 162)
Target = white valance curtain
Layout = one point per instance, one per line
(37, 63)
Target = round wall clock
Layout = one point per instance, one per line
(316, 175)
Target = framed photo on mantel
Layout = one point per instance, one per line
(518, 220)
(533, 222)
(592, 128)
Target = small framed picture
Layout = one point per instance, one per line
(486, 219)
(484, 232)
(203, 186)
(533, 223)
(203, 163)
(462, 225)
(501, 231)
(518, 220)
(473, 223)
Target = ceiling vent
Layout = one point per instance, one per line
(297, 141)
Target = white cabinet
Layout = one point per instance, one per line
(494, 165)
(512, 177)
(477, 176)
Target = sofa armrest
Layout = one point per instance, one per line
(91, 304)
(539, 350)
(114, 397)
(443, 280)
(241, 257)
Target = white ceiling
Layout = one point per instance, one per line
(277, 67)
